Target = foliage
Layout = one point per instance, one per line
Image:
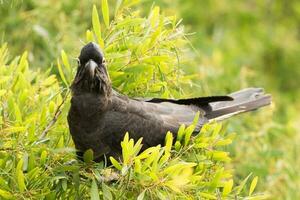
(239, 44)
(37, 153)
(253, 43)
(37, 167)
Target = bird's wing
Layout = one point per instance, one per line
(172, 112)
(199, 101)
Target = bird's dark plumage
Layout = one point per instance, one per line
(99, 116)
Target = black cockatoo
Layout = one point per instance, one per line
(99, 116)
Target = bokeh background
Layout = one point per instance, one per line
(236, 44)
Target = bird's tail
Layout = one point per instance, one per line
(243, 101)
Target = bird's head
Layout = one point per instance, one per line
(91, 76)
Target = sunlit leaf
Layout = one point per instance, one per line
(115, 163)
(20, 176)
(253, 185)
(105, 12)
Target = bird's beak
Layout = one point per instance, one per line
(90, 68)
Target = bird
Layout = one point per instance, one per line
(99, 116)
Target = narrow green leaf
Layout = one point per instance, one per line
(253, 185)
(188, 133)
(61, 73)
(115, 163)
(105, 12)
(88, 156)
(137, 165)
(5, 194)
(60, 143)
(118, 6)
(96, 25)
(15, 129)
(89, 36)
(177, 145)
(242, 185)
(196, 118)
(18, 114)
(227, 187)
(43, 158)
(180, 132)
(94, 191)
(106, 192)
(20, 176)
(65, 60)
(169, 142)
(141, 195)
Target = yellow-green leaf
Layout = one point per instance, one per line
(20, 176)
(94, 191)
(227, 187)
(106, 192)
(14, 129)
(169, 142)
(141, 195)
(89, 36)
(253, 185)
(180, 132)
(5, 194)
(65, 60)
(88, 156)
(105, 12)
(96, 25)
(61, 73)
(115, 163)
(177, 145)
(188, 133)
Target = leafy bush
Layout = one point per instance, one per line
(37, 154)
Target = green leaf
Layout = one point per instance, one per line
(169, 142)
(253, 185)
(227, 187)
(207, 195)
(180, 132)
(196, 118)
(61, 73)
(65, 60)
(94, 191)
(223, 142)
(88, 156)
(15, 129)
(188, 133)
(141, 195)
(242, 185)
(43, 158)
(96, 25)
(60, 143)
(118, 6)
(89, 36)
(20, 176)
(5, 194)
(105, 12)
(177, 145)
(106, 192)
(115, 163)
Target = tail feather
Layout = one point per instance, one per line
(243, 101)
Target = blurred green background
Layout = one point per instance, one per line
(237, 44)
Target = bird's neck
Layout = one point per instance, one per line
(89, 105)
